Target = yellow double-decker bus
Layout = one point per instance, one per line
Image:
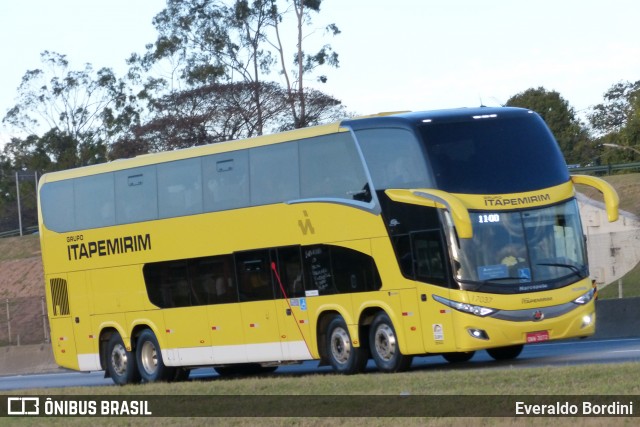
(384, 237)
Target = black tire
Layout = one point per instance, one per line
(244, 369)
(505, 353)
(459, 356)
(121, 364)
(343, 356)
(384, 346)
(149, 358)
(181, 374)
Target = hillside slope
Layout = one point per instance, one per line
(21, 272)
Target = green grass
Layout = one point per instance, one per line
(585, 380)
(19, 247)
(630, 286)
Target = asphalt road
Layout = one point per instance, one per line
(536, 355)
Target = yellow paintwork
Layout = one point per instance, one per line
(528, 200)
(611, 199)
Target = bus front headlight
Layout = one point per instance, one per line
(476, 310)
(585, 298)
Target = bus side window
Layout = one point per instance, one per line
(289, 266)
(353, 271)
(168, 284)
(274, 175)
(428, 255)
(254, 275)
(179, 188)
(402, 245)
(212, 280)
(226, 181)
(334, 269)
(317, 269)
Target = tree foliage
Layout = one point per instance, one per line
(219, 112)
(210, 42)
(80, 112)
(616, 122)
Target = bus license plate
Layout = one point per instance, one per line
(537, 336)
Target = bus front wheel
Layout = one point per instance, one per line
(343, 356)
(505, 353)
(149, 358)
(121, 364)
(385, 348)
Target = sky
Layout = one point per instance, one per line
(394, 55)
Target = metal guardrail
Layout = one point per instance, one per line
(606, 169)
(16, 232)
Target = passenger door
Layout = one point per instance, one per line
(430, 268)
(258, 307)
(291, 303)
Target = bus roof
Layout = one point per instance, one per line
(411, 118)
(401, 119)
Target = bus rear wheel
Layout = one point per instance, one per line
(121, 364)
(505, 353)
(384, 345)
(343, 356)
(149, 358)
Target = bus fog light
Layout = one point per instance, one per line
(587, 320)
(478, 333)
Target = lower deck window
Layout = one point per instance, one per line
(251, 276)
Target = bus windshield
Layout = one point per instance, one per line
(493, 155)
(522, 251)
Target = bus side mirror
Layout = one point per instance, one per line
(439, 199)
(611, 199)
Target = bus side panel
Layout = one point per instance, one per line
(411, 323)
(260, 325)
(227, 334)
(438, 329)
(187, 330)
(293, 320)
(400, 295)
(62, 337)
(119, 289)
(64, 349)
(81, 304)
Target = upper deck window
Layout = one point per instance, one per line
(394, 158)
(322, 167)
(493, 155)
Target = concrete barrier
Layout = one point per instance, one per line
(616, 318)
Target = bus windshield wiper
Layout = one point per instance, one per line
(577, 271)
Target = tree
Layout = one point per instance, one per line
(220, 112)
(305, 63)
(68, 105)
(571, 134)
(616, 122)
(208, 42)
